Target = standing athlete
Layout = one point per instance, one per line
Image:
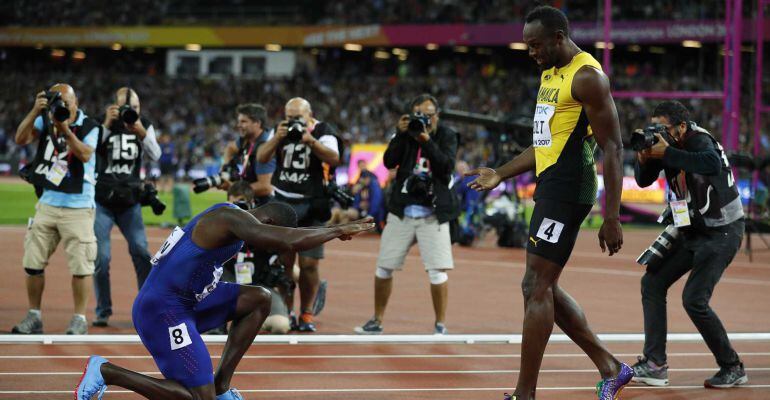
(182, 297)
(574, 111)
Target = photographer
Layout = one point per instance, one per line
(421, 205)
(252, 123)
(705, 236)
(64, 168)
(307, 151)
(125, 138)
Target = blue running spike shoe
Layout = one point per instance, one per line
(231, 394)
(92, 382)
(609, 389)
(507, 396)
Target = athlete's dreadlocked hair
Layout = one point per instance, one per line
(282, 214)
(551, 18)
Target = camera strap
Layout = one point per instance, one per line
(247, 158)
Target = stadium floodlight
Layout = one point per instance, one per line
(193, 47)
(634, 48)
(381, 54)
(461, 49)
(79, 55)
(273, 47)
(600, 45)
(692, 44)
(117, 46)
(353, 47)
(431, 46)
(57, 53)
(518, 46)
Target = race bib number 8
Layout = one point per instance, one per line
(541, 127)
(179, 336)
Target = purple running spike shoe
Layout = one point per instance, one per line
(609, 389)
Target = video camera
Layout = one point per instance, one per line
(644, 139)
(274, 275)
(229, 172)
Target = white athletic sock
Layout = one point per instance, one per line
(35, 312)
(81, 316)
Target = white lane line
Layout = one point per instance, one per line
(393, 390)
(372, 356)
(380, 339)
(396, 372)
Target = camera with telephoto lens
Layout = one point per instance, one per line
(418, 123)
(663, 245)
(127, 114)
(149, 197)
(339, 194)
(644, 139)
(57, 107)
(296, 128)
(229, 172)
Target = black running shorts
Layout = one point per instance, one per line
(554, 228)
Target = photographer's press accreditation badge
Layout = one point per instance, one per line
(680, 213)
(243, 270)
(57, 172)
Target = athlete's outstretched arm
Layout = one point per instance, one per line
(592, 88)
(489, 178)
(246, 227)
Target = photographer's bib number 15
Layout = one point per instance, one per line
(541, 128)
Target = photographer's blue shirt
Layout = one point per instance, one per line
(85, 199)
(268, 167)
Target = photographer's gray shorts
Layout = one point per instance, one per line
(302, 209)
(432, 238)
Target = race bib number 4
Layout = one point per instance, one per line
(550, 230)
(541, 127)
(179, 336)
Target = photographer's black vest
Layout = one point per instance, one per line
(46, 154)
(713, 199)
(298, 170)
(119, 158)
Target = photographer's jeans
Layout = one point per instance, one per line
(130, 223)
(706, 256)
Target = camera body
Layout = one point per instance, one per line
(339, 194)
(418, 123)
(646, 138)
(149, 197)
(229, 172)
(274, 275)
(420, 186)
(296, 128)
(57, 107)
(127, 114)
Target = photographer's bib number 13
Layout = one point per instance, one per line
(541, 128)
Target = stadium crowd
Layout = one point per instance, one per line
(341, 12)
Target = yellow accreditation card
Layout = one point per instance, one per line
(680, 213)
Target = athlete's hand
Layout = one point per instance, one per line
(611, 235)
(354, 228)
(487, 179)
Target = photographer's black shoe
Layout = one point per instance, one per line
(371, 327)
(727, 377)
(293, 324)
(101, 322)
